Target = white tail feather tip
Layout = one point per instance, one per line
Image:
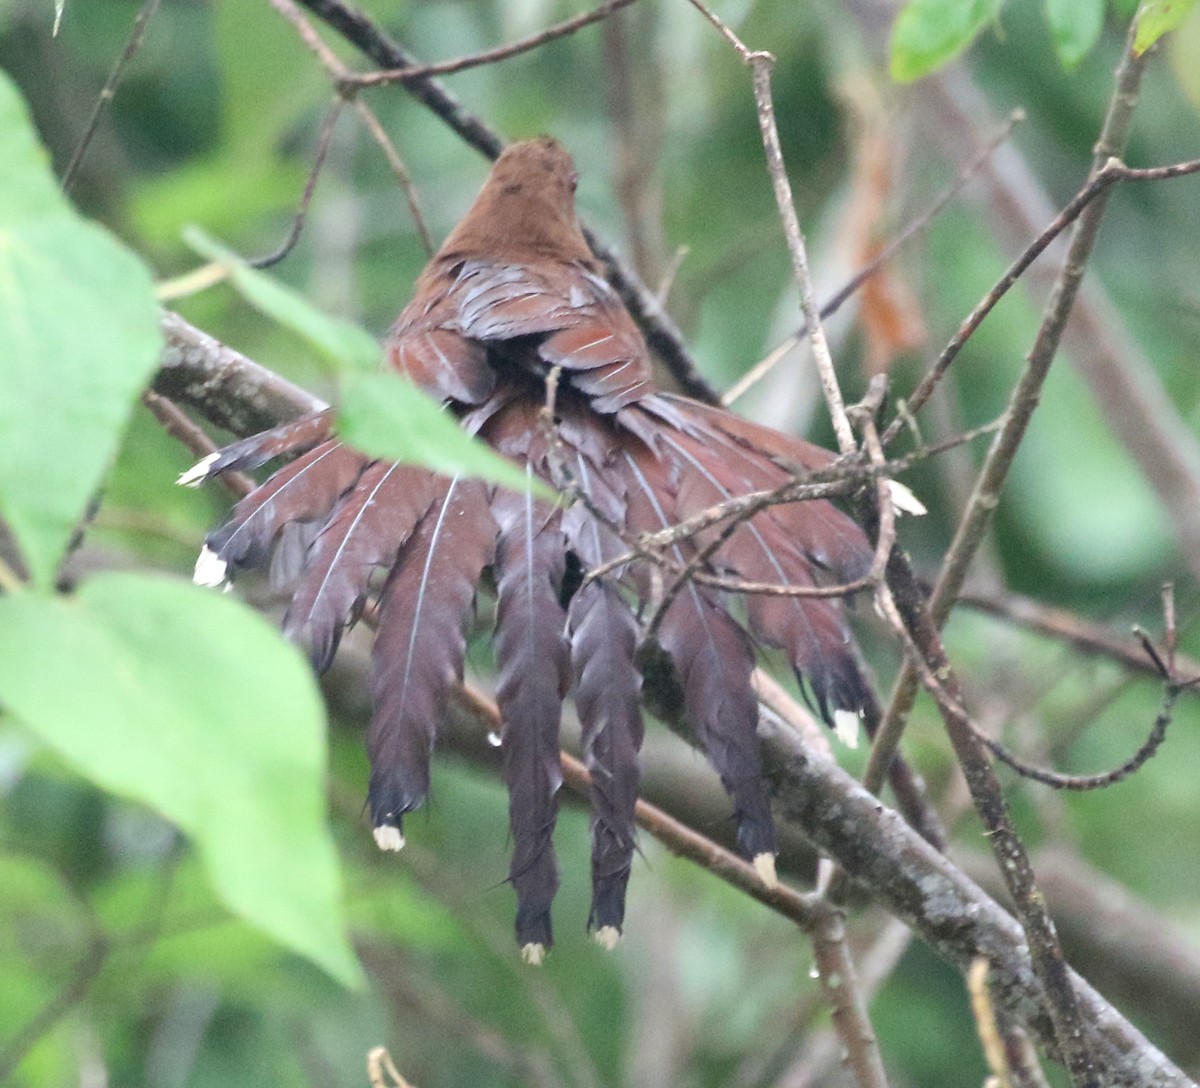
(533, 954)
(198, 473)
(388, 838)
(845, 725)
(764, 865)
(210, 568)
(607, 937)
(904, 500)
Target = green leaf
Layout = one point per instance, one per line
(343, 344)
(190, 703)
(386, 416)
(929, 33)
(1075, 26)
(80, 333)
(1158, 17)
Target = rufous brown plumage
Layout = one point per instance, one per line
(512, 294)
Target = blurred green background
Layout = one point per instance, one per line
(117, 966)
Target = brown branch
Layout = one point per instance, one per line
(1021, 406)
(851, 286)
(409, 73)
(324, 140)
(338, 72)
(1058, 623)
(873, 844)
(1112, 362)
(71, 994)
(193, 438)
(1097, 186)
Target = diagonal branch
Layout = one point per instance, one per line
(871, 842)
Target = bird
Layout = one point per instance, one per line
(514, 328)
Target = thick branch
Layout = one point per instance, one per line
(871, 842)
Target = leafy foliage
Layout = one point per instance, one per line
(53, 263)
(191, 704)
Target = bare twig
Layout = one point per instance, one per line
(108, 91)
(839, 981)
(59, 1005)
(851, 286)
(338, 71)
(1043, 939)
(985, 1023)
(1097, 187)
(380, 1066)
(761, 64)
(324, 139)
(408, 73)
(193, 438)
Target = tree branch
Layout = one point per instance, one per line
(871, 842)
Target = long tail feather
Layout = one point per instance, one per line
(296, 436)
(712, 660)
(608, 698)
(305, 490)
(531, 658)
(419, 647)
(811, 630)
(364, 533)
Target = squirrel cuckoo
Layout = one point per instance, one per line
(513, 294)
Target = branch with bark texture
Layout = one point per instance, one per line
(871, 842)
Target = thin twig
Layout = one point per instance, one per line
(1043, 939)
(136, 36)
(58, 1006)
(761, 64)
(1097, 186)
(324, 139)
(399, 170)
(835, 302)
(188, 434)
(409, 73)
(848, 1005)
(1058, 623)
(338, 72)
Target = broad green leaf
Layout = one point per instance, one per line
(1158, 17)
(384, 415)
(80, 336)
(192, 704)
(1075, 26)
(928, 33)
(342, 343)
